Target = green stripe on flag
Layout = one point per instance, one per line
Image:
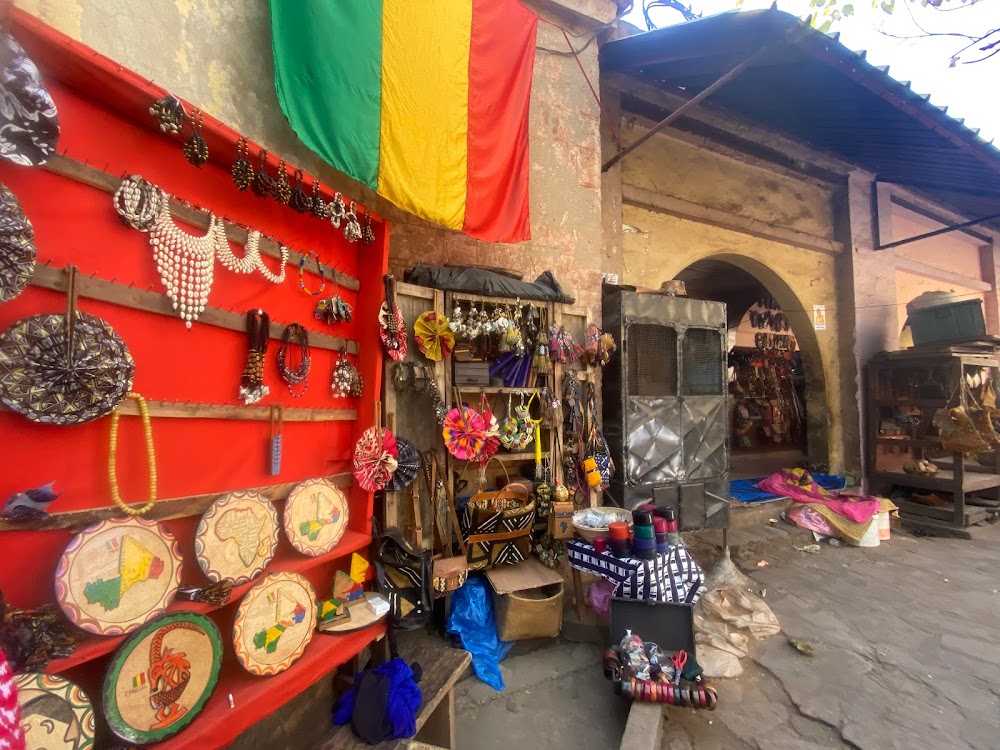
(328, 75)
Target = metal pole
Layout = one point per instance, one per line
(692, 102)
(943, 230)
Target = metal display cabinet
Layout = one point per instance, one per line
(666, 414)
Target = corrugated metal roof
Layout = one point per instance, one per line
(814, 89)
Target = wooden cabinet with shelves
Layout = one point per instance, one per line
(905, 390)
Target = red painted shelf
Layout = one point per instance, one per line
(95, 647)
(219, 724)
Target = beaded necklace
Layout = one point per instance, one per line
(294, 332)
(132, 510)
(252, 388)
(319, 270)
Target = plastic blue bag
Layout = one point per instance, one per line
(472, 620)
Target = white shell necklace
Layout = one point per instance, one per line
(251, 260)
(184, 262)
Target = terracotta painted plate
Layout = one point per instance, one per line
(118, 574)
(237, 537)
(275, 623)
(55, 713)
(162, 677)
(315, 516)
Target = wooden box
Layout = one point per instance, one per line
(472, 373)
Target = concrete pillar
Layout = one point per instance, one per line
(866, 310)
(613, 260)
(989, 264)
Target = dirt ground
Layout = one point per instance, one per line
(907, 655)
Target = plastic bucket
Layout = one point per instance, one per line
(870, 537)
(884, 526)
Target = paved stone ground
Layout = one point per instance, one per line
(907, 655)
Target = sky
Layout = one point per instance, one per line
(970, 91)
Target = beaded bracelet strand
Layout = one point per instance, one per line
(319, 268)
(300, 335)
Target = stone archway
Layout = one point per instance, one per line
(817, 413)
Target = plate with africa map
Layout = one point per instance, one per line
(275, 623)
(55, 713)
(237, 537)
(161, 677)
(315, 516)
(118, 574)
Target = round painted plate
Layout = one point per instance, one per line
(118, 574)
(162, 677)
(237, 537)
(55, 713)
(275, 623)
(315, 516)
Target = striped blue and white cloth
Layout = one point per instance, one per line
(673, 576)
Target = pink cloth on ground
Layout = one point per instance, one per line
(799, 486)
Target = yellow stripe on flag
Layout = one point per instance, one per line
(423, 149)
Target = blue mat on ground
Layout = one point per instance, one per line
(745, 490)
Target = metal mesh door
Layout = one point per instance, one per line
(652, 360)
(702, 362)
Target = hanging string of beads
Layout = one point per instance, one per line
(132, 510)
(299, 335)
(252, 388)
(319, 270)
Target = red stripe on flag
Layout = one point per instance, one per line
(501, 62)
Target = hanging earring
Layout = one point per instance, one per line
(337, 210)
(242, 169)
(352, 230)
(195, 148)
(299, 201)
(367, 233)
(282, 190)
(319, 208)
(263, 185)
(169, 112)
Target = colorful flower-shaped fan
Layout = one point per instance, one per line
(375, 457)
(392, 327)
(464, 433)
(491, 444)
(434, 336)
(407, 466)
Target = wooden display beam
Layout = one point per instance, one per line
(232, 412)
(162, 510)
(66, 166)
(94, 647)
(57, 279)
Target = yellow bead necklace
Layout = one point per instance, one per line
(132, 510)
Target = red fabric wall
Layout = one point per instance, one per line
(77, 224)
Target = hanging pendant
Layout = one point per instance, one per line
(367, 233)
(352, 229)
(299, 201)
(262, 185)
(319, 207)
(195, 148)
(282, 190)
(169, 112)
(242, 169)
(338, 210)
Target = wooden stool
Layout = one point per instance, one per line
(442, 666)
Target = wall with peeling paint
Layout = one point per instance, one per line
(658, 246)
(216, 54)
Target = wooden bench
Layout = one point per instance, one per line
(442, 666)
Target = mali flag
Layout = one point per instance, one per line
(425, 101)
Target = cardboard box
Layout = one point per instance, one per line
(528, 598)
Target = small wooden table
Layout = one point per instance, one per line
(442, 666)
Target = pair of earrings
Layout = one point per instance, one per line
(333, 310)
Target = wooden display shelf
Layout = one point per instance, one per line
(266, 694)
(909, 442)
(95, 647)
(514, 457)
(232, 412)
(971, 514)
(944, 480)
(495, 389)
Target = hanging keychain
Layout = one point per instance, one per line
(275, 442)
